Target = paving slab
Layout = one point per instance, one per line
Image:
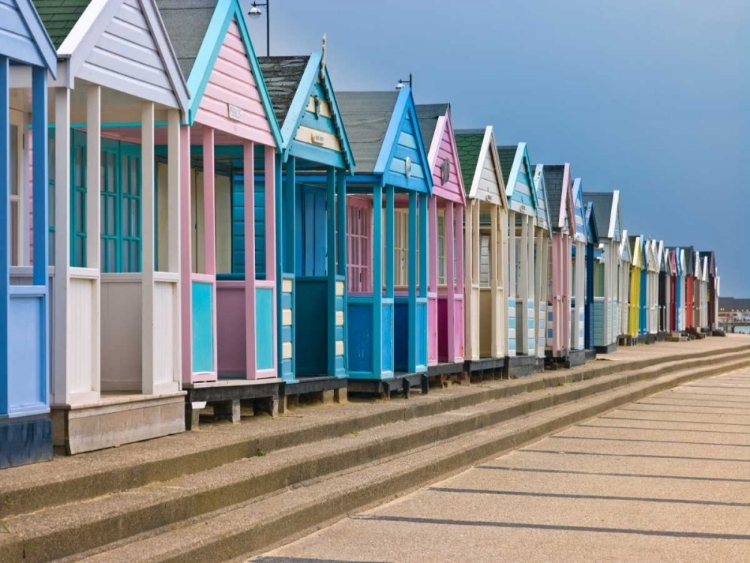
(666, 478)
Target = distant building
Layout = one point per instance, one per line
(734, 310)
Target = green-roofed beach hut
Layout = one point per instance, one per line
(487, 314)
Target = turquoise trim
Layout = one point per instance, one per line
(403, 112)
(225, 12)
(298, 109)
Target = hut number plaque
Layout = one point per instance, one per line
(445, 171)
(235, 113)
(317, 139)
(407, 167)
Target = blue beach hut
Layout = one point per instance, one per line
(310, 223)
(25, 428)
(386, 248)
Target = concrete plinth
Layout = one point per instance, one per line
(116, 420)
(26, 440)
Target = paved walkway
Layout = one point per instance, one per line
(663, 479)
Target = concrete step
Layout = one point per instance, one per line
(88, 476)
(74, 528)
(248, 527)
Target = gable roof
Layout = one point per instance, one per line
(469, 145)
(604, 207)
(197, 29)
(591, 226)
(373, 121)
(581, 231)
(60, 16)
(474, 145)
(711, 256)
(520, 163)
(540, 189)
(436, 125)
(291, 81)
(507, 155)
(624, 246)
(556, 194)
(429, 115)
(30, 43)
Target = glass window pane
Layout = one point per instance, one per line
(15, 217)
(15, 180)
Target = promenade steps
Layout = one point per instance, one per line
(196, 497)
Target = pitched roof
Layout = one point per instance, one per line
(282, 76)
(187, 22)
(366, 117)
(553, 179)
(60, 16)
(469, 145)
(731, 304)
(507, 156)
(428, 115)
(602, 209)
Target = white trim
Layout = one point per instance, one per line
(613, 214)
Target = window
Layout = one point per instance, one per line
(358, 237)
(78, 201)
(599, 279)
(401, 248)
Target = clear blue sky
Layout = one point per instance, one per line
(650, 97)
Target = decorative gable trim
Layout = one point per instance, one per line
(92, 25)
(614, 214)
(314, 70)
(445, 128)
(488, 149)
(403, 109)
(38, 34)
(225, 12)
(625, 247)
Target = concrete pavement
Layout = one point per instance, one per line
(664, 479)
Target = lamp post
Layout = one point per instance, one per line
(255, 12)
(402, 83)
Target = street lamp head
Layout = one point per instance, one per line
(400, 85)
(255, 11)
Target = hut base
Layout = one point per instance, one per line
(116, 419)
(608, 349)
(521, 366)
(316, 389)
(228, 396)
(661, 336)
(383, 388)
(576, 358)
(26, 440)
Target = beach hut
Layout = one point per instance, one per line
(703, 291)
(680, 289)
(564, 230)
(712, 298)
(25, 429)
(643, 307)
(488, 339)
(445, 291)
(580, 282)
(662, 300)
(634, 295)
(698, 280)
(542, 274)
(689, 286)
(593, 256)
(115, 360)
(625, 270)
(229, 314)
(607, 272)
(672, 268)
(386, 248)
(527, 259)
(310, 226)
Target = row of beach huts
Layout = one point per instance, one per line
(189, 224)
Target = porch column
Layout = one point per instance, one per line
(148, 376)
(476, 253)
(185, 250)
(248, 161)
(423, 265)
(450, 273)
(331, 268)
(61, 391)
(270, 199)
(494, 285)
(174, 180)
(209, 228)
(390, 266)
(341, 223)
(469, 313)
(525, 265)
(412, 287)
(5, 224)
(287, 241)
(377, 274)
(40, 177)
(511, 286)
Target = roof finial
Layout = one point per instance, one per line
(323, 60)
